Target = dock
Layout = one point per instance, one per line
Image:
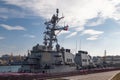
(95, 76)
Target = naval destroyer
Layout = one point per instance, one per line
(50, 57)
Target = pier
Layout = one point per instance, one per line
(95, 76)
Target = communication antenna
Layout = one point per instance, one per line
(51, 26)
(80, 45)
(105, 52)
(104, 58)
(76, 46)
(62, 15)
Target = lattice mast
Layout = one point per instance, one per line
(52, 26)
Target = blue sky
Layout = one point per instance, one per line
(95, 24)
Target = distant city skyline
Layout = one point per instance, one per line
(94, 25)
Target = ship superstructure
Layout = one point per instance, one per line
(46, 59)
(50, 36)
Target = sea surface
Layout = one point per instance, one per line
(9, 68)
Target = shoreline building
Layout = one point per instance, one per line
(110, 61)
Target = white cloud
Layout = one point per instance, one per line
(29, 36)
(92, 32)
(77, 12)
(95, 37)
(97, 22)
(79, 28)
(3, 17)
(72, 34)
(116, 33)
(11, 27)
(2, 38)
(61, 32)
(9, 12)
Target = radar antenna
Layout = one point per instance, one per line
(51, 26)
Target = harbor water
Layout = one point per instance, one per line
(9, 68)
